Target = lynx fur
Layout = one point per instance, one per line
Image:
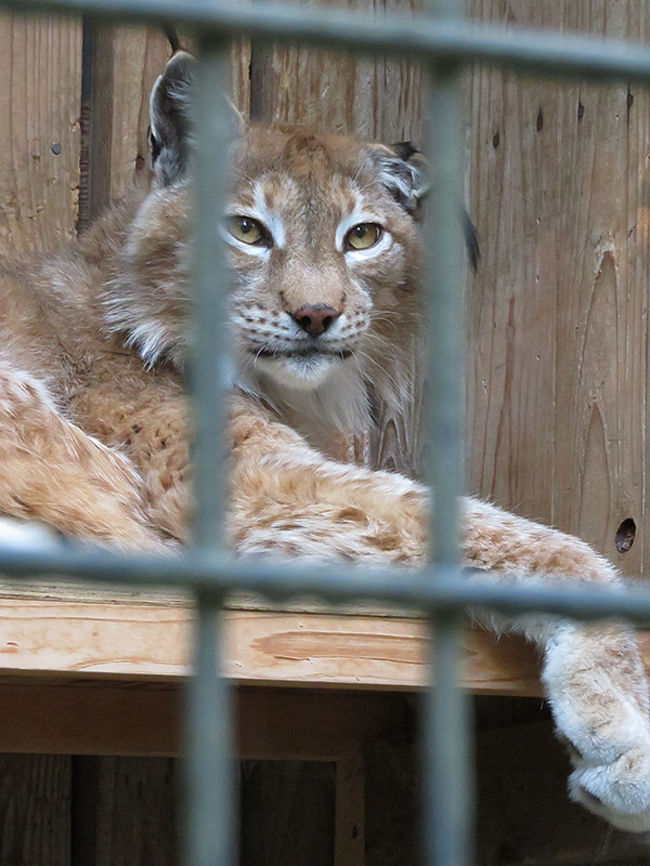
(324, 247)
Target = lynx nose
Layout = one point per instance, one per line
(315, 318)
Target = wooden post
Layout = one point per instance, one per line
(350, 813)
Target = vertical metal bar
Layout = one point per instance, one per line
(210, 336)
(209, 828)
(210, 793)
(448, 775)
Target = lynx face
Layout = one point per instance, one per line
(323, 249)
(318, 248)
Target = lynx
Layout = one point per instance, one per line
(322, 234)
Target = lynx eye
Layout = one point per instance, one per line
(247, 230)
(363, 236)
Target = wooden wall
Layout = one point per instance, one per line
(557, 313)
(558, 185)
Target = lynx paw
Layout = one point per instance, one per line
(598, 695)
(619, 791)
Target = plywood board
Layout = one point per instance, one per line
(131, 815)
(95, 718)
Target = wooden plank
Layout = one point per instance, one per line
(557, 313)
(120, 67)
(289, 814)
(40, 67)
(64, 719)
(90, 718)
(139, 56)
(35, 810)
(337, 93)
(152, 641)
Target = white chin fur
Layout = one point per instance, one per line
(300, 374)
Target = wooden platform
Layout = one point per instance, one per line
(92, 673)
(89, 673)
(147, 640)
(86, 673)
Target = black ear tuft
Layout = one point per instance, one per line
(404, 149)
(404, 172)
(170, 119)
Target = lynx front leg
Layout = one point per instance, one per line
(593, 675)
(290, 500)
(53, 472)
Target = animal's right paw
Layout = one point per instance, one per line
(618, 791)
(598, 695)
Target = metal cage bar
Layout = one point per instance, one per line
(209, 807)
(423, 38)
(440, 589)
(447, 796)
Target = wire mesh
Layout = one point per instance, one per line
(441, 590)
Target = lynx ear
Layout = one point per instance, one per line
(405, 173)
(170, 118)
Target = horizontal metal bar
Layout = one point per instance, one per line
(435, 588)
(533, 51)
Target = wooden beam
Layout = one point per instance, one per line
(86, 718)
(141, 641)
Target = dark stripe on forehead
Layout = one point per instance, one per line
(307, 155)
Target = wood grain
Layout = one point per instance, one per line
(133, 815)
(290, 807)
(35, 810)
(124, 63)
(40, 71)
(557, 314)
(144, 641)
(121, 66)
(139, 56)
(337, 93)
